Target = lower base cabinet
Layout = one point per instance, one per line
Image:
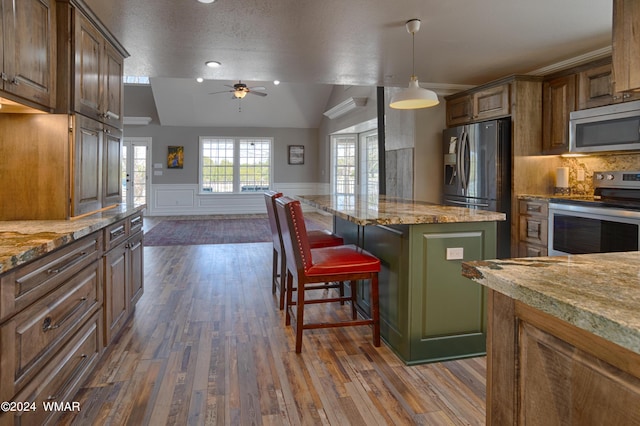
(58, 313)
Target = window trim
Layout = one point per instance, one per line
(236, 164)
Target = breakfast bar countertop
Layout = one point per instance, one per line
(24, 240)
(383, 210)
(599, 293)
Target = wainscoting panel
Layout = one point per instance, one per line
(184, 199)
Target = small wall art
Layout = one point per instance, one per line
(175, 157)
(296, 154)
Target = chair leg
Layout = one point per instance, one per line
(289, 294)
(283, 285)
(299, 317)
(353, 285)
(375, 310)
(274, 272)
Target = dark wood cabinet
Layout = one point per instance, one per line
(558, 100)
(626, 45)
(596, 88)
(480, 105)
(27, 51)
(533, 228)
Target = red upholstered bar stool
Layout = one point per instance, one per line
(317, 239)
(309, 266)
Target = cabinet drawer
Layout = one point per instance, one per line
(115, 233)
(32, 337)
(61, 378)
(534, 229)
(135, 223)
(534, 208)
(23, 286)
(531, 250)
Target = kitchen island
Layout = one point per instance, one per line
(563, 342)
(428, 311)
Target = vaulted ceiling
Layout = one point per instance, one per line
(309, 44)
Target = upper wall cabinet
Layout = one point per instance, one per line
(27, 51)
(480, 105)
(558, 100)
(93, 65)
(596, 88)
(626, 45)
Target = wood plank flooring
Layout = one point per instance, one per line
(207, 345)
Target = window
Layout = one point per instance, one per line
(229, 165)
(354, 167)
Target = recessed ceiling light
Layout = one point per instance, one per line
(199, 79)
(276, 82)
(206, 1)
(212, 64)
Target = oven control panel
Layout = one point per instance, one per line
(616, 179)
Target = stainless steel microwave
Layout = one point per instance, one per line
(608, 128)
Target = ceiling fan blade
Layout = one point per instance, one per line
(223, 91)
(258, 93)
(257, 88)
(226, 85)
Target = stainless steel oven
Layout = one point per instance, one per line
(608, 223)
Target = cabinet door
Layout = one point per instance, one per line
(459, 111)
(136, 268)
(491, 103)
(112, 87)
(595, 88)
(112, 174)
(88, 67)
(558, 100)
(87, 166)
(626, 45)
(116, 294)
(29, 46)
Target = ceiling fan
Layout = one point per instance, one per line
(240, 90)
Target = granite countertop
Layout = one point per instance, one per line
(382, 210)
(599, 293)
(25, 240)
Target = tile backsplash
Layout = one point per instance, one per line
(596, 163)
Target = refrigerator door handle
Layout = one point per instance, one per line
(464, 141)
(466, 203)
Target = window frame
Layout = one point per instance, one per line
(236, 184)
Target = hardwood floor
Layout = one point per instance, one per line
(207, 345)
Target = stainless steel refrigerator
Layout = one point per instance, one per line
(477, 171)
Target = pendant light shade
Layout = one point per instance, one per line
(414, 96)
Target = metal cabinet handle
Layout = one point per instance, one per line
(78, 257)
(46, 324)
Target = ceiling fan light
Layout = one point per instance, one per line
(212, 64)
(239, 94)
(414, 97)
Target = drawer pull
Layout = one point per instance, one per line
(534, 208)
(136, 221)
(46, 324)
(115, 233)
(77, 259)
(72, 376)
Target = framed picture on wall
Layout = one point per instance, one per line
(296, 154)
(175, 157)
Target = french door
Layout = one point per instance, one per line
(136, 164)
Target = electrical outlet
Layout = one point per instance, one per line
(455, 253)
(580, 175)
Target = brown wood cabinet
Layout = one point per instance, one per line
(123, 273)
(534, 225)
(50, 336)
(537, 364)
(27, 52)
(626, 45)
(479, 105)
(558, 100)
(596, 88)
(93, 63)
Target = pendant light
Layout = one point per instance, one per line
(414, 96)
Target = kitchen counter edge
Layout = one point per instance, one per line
(27, 240)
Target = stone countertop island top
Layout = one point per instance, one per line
(382, 210)
(24, 240)
(599, 293)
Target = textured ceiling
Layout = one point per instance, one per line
(353, 42)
